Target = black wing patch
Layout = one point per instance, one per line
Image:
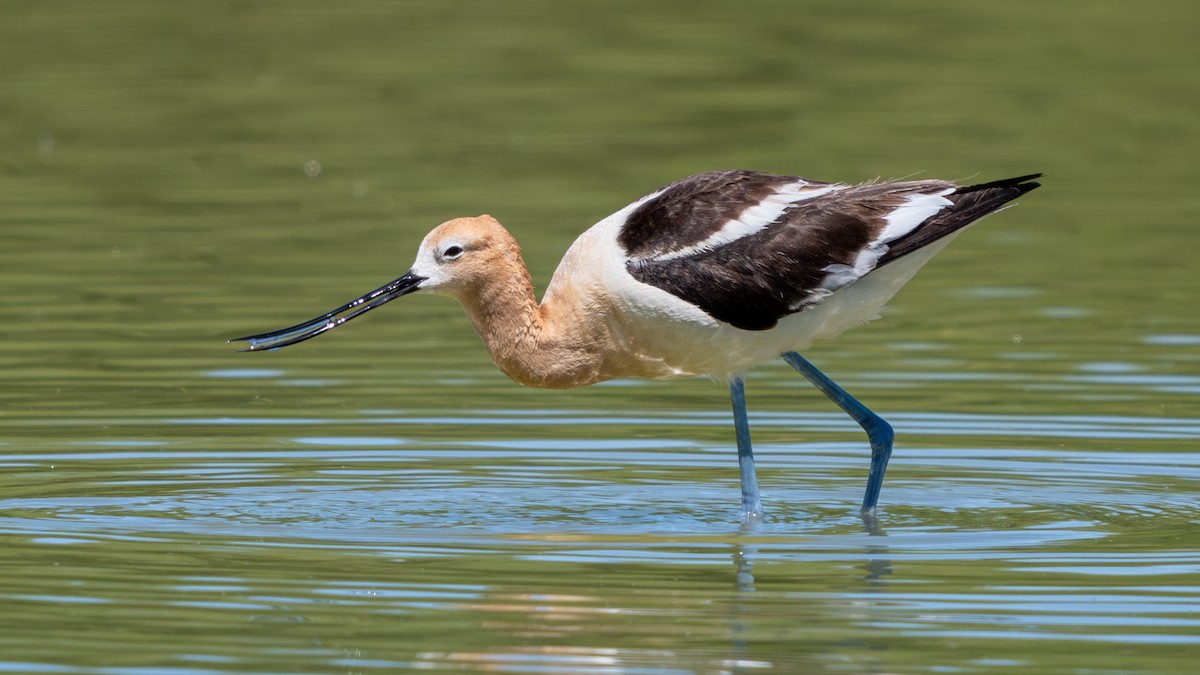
(754, 281)
(691, 210)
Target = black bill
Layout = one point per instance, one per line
(326, 322)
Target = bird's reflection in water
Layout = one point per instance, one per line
(875, 566)
(876, 563)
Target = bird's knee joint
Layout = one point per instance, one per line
(881, 433)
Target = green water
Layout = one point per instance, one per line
(381, 499)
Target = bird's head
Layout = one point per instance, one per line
(456, 257)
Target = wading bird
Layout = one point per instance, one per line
(711, 275)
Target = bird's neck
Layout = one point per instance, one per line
(552, 345)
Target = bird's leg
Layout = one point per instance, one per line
(878, 431)
(751, 502)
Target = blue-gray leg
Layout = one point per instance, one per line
(751, 502)
(878, 431)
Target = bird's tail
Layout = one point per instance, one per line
(971, 203)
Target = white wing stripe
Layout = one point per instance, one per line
(916, 209)
(753, 219)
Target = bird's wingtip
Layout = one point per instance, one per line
(1023, 183)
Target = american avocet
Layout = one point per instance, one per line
(711, 275)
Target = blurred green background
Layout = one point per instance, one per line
(176, 174)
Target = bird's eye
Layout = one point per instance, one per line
(452, 252)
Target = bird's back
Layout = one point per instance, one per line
(719, 271)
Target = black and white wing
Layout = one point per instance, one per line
(750, 248)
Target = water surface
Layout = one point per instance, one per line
(381, 499)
